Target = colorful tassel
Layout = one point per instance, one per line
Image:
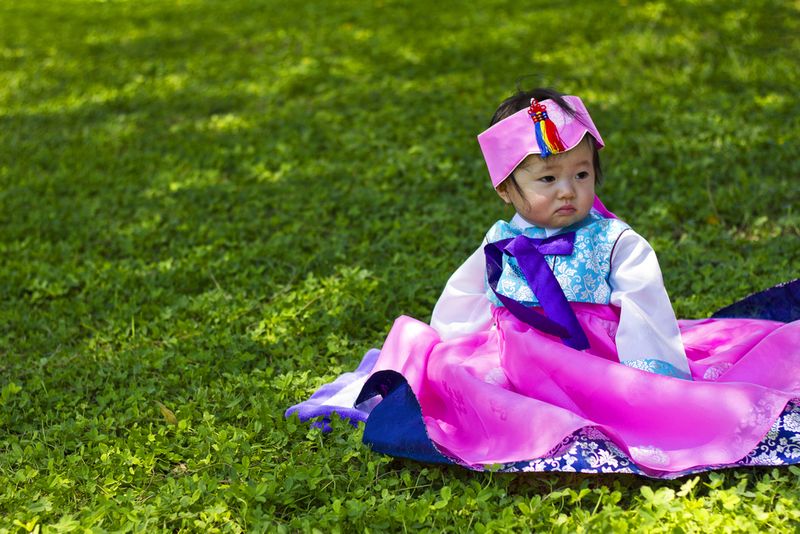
(546, 133)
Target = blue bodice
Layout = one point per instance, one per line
(583, 275)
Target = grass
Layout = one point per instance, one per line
(219, 206)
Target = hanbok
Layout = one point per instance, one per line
(640, 392)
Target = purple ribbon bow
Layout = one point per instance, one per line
(559, 319)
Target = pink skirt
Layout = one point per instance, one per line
(514, 394)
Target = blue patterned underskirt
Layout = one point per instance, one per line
(588, 450)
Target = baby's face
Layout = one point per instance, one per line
(557, 191)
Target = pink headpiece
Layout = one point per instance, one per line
(544, 129)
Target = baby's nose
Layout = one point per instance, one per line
(567, 190)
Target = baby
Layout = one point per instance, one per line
(554, 346)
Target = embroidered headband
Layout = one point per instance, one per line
(543, 128)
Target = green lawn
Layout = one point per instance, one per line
(219, 206)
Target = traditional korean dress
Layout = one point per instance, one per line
(558, 349)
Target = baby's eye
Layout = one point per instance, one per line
(582, 175)
(547, 179)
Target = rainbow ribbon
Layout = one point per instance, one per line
(546, 133)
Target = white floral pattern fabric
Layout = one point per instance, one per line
(589, 450)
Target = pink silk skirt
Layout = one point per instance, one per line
(513, 393)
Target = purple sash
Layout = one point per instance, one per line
(559, 319)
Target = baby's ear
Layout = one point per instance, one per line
(502, 190)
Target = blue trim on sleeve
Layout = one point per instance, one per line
(659, 367)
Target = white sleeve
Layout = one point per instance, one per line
(647, 329)
(463, 307)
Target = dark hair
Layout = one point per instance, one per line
(522, 100)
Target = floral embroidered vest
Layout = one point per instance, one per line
(583, 276)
